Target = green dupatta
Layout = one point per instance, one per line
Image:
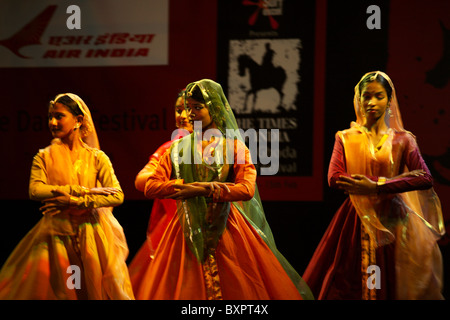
(202, 222)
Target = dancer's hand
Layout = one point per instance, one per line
(186, 191)
(55, 204)
(103, 191)
(357, 184)
(214, 186)
(197, 189)
(414, 173)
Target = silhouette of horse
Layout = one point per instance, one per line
(261, 78)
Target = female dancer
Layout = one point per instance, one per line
(77, 250)
(381, 243)
(218, 245)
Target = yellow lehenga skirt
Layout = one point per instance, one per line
(69, 257)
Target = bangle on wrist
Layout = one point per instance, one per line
(216, 195)
(73, 200)
(84, 191)
(380, 182)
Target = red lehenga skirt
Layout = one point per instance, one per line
(162, 213)
(335, 273)
(243, 267)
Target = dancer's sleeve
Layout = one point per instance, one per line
(107, 178)
(39, 189)
(159, 184)
(413, 161)
(337, 166)
(150, 167)
(243, 188)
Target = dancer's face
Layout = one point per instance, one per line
(181, 116)
(374, 100)
(61, 122)
(199, 112)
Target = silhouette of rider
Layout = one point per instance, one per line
(267, 58)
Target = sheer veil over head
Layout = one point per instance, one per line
(87, 130)
(393, 119)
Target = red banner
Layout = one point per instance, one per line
(419, 65)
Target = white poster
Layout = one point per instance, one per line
(51, 33)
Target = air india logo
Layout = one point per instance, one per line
(84, 34)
